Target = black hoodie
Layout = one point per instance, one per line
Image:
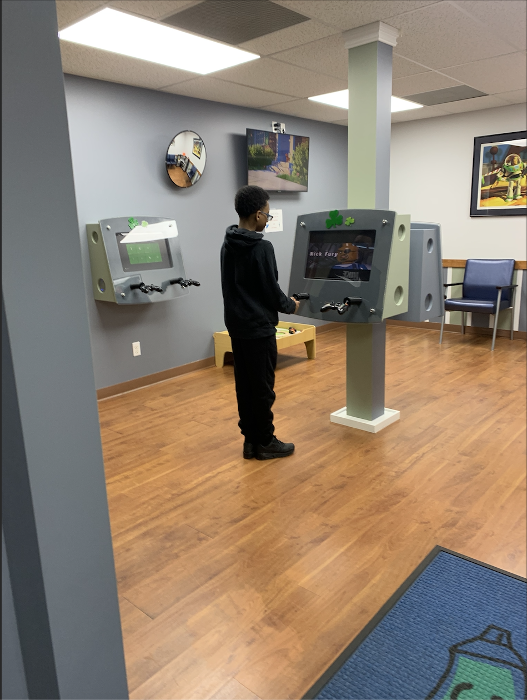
(249, 281)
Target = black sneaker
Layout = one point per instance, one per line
(276, 448)
(248, 450)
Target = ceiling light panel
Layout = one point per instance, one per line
(132, 36)
(341, 99)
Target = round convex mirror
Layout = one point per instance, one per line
(185, 159)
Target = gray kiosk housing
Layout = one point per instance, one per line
(118, 270)
(425, 296)
(376, 283)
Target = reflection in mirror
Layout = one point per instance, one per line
(185, 159)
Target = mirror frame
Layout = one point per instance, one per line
(189, 163)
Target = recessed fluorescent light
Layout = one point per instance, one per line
(341, 99)
(400, 105)
(150, 41)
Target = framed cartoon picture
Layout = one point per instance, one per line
(196, 148)
(499, 175)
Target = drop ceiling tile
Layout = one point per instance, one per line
(153, 9)
(328, 55)
(284, 78)
(515, 97)
(402, 67)
(288, 38)
(206, 88)
(507, 19)
(105, 65)
(71, 11)
(415, 114)
(441, 35)
(423, 82)
(348, 14)
(474, 104)
(493, 75)
(308, 110)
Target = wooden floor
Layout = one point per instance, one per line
(245, 579)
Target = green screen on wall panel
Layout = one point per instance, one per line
(141, 253)
(145, 255)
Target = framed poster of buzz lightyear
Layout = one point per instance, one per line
(499, 175)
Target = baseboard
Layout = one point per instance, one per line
(450, 327)
(155, 378)
(139, 383)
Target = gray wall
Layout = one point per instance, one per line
(13, 678)
(54, 506)
(119, 137)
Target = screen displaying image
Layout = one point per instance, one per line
(140, 253)
(277, 162)
(340, 255)
(148, 255)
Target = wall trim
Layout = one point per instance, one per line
(155, 378)
(108, 392)
(450, 327)
(518, 265)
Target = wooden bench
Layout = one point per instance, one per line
(307, 335)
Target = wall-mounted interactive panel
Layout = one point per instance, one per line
(136, 260)
(425, 295)
(353, 264)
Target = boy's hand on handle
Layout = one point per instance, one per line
(297, 304)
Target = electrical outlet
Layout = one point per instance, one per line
(136, 348)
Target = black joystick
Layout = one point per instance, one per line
(184, 283)
(299, 296)
(142, 287)
(349, 301)
(146, 288)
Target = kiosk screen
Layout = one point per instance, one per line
(340, 255)
(152, 255)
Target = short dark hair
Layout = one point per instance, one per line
(250, 199)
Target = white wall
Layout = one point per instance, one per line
(431, 175)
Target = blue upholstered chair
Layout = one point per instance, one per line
(487, 289)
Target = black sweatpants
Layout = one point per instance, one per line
(254, 366)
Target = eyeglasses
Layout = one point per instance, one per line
(269, 217)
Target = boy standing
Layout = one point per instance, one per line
(252, 299)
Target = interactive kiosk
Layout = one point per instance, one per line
(136, 260)
(425, 288)
(353, 264)
(360, 267)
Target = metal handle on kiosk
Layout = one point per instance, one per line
(341, 308)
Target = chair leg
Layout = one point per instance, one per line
(496, 317)
(494, 331)
(513, 299)
(462, 323)
(442, 326)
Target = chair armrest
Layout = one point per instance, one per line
(507, 286)
(452, 284)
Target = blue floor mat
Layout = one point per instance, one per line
(458, 631)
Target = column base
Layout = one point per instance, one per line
(371, 426)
